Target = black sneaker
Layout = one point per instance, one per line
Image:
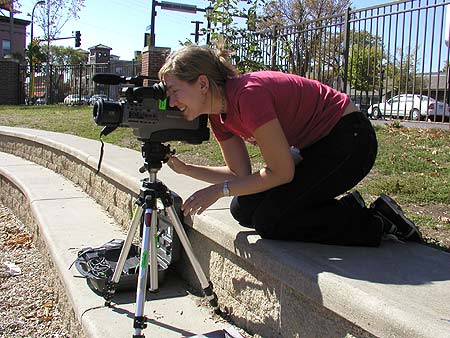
(353, 200)
(396, 221)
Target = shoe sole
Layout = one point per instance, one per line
(392, 211)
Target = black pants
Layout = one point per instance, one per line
(306, 209)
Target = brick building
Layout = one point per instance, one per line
(18, 36)
(12, 53)
(152, 60)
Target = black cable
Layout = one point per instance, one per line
(101, 155)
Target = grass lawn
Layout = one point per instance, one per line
(413, 165)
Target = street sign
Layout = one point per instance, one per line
(173, 6)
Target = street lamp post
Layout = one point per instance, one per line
(40, 3)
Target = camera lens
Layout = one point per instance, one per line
(107, 113)
(97, 110)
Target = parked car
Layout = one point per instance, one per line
(74, 99)
(439, 112)
(409, 106)
(96, 97)
(41, 100)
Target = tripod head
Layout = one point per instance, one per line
(154, 154)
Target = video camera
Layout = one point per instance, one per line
(147, 112)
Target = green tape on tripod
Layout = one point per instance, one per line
(144, 261)
(163, 104)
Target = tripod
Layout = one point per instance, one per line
(146, 211)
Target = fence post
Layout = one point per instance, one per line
(50, 85)
(273, 61)
(81, 83)
(346, 48)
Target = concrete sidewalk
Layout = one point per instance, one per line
(272, 288)
(55, 205)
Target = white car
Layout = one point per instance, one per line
(409, 106)
(96, 97)
(74, 99)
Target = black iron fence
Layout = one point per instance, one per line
(72, 84)
(391, 59)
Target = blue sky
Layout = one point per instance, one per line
(121, 24)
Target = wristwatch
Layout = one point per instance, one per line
(226, 189)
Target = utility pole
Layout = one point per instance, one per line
(47, 82)
(171, 6)
(31, 89)
(152, 24)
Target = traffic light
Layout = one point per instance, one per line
(77, 39)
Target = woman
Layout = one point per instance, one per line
(293, 196)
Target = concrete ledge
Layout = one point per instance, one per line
(271, 288)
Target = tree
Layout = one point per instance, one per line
(224, 21)
(66, 56)
(366, 59)
(52, 17)
(402, 69)
(38, 54)
(302, 29)
(290, 12)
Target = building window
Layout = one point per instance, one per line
(6, 47)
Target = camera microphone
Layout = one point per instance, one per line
(114, 79)
(109, 79)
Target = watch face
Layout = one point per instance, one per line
(226, 190)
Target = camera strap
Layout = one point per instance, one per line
(101, 156)
(105, 131)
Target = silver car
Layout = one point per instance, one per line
(410, 106)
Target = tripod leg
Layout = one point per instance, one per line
(110, 285)
(206, 285)
(153, 251)
(148, 247)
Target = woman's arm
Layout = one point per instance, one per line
(279, 169)
(236, 158)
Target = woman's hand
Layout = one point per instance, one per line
(201, 200)
(176, 164)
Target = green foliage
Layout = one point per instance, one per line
(66, 56)
(224, 24)
(401, 69)
(37, 54)
(365, 61)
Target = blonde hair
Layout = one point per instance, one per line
(189, 62)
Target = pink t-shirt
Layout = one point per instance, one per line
(306, 109)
